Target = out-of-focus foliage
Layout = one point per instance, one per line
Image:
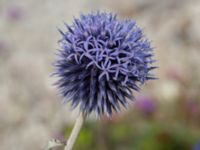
(160, 130)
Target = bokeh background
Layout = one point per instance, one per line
(165, 115)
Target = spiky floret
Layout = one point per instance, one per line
(101, 60)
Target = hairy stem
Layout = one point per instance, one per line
(75, 132)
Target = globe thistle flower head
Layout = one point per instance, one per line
(101, 61)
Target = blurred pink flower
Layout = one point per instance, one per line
(196, 146)
(59, 136)
(175, 73)
(14, 12)
(192, 107)
(146, 104)
(2, 45)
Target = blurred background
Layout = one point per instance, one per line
(166, 115)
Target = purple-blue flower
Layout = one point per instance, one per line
(101, 61)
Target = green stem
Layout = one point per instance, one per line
(75, 132)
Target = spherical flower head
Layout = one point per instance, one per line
(101, 61)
